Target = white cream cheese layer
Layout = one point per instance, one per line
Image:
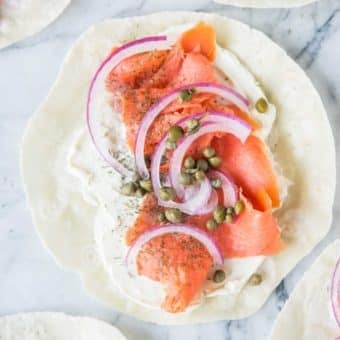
(116, 213)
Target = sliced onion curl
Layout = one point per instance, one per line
(197, 200)
(97, 88)
(225, 92)
(226, 124)
(198, 234)
(229, 189)
(335, 293)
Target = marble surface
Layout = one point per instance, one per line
(29, 278)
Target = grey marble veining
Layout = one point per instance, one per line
(29, 278)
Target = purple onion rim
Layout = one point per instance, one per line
(185, 226)
(117, 166)
(186, 87)
(333, 288)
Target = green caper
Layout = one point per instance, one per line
(219, 214)
(140, 192)
(173, 215)
(186, 179)
(175, 133)
(216, 183)
(186, 95)
(239, 207)
(190, 171)
(189, 163)
(255, 280)
(203, 165)
(129, 189)
(261, 105)
(170, 145)
(211, 225)
(200, 176)
(167, 193)
(230, 211)
(219, 276)
(161, 217)
(146, 184)
(193, 125)
(209, 152)
(215, 161)
(228, 218)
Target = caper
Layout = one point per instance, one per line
(190, 171)
(200, 176)
(173, 215)
(203, 165)
(189, 163)
(261, 105)
(211, 225)
(146, 184)
(215, 161)
(161, 217)
(255, 280)
(219, 214)
(186, 95)
(167, 193)
(175, 133)
(239, 207)
(230, 211)
(209, 152)
(129, 189)
(186, 179)
(193, 125)
(170, 145)
(140, 192)
(216, 183)
(219, 276)
(228, 218)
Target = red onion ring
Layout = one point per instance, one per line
(200, 235)
(210, 206)
(223, 91)
(230, 191)
(335, 293)
(227, 124)
(97, 86)
(195, 201)
(198, 206)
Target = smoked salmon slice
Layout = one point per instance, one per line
(178, 261)
(250, 167)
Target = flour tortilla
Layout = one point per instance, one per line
(58, 326)
(20, 19)
(293, 321)
(266, 3)
(301, 136)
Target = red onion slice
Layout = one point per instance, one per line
(230, 191)
(335, 293)
(199, 197)
(210, 206)
(223, 91)
(200, 235)
(229, 124)
(97, 88)
(201, 203)
(197, 204)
